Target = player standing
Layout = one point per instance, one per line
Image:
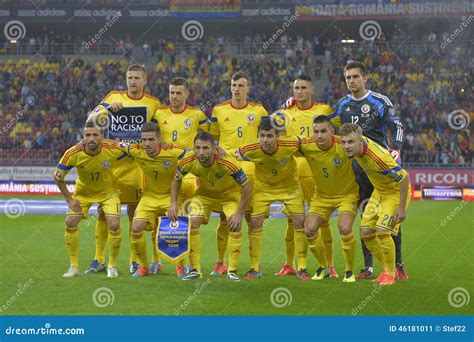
(224, 188)
(299, 121)
(128, 174)
(276, 180)
(235, 123)
(95, 184)
(387, 205)
(375, 114)
(336, 188)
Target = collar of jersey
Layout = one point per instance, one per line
(362, 97)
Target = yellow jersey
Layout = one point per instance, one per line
(332, 170)
(158, 170)
(273, 171)
(180, 128)
(224, 175)
(126, 172)
(383, 171)
(300, 121)
(95, 177)
(234, 127)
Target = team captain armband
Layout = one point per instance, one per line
(396, 173)
(240, 177)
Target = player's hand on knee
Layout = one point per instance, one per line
(116, 106)
(401, 215)
(235, 222)
(74, 205)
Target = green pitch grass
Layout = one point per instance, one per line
(438, 256)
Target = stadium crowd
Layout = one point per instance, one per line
(45, 103)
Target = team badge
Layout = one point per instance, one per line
(284, 161)
(174, 224)
(251, 118)
(365, 108)
(105, 164)
(188, 123)
(167, 164)
(59, 175)
(337, 161)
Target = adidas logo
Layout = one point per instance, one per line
(348, 109)
(165, 122)
(226, 119)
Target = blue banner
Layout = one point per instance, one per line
(223, 328)
(173, 238)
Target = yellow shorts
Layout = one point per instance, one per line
(380, 212)
(202, 204)
(305, 176)
(150, 207)
(130, 180)
(325, 206)
(291, 198)
(110, 205)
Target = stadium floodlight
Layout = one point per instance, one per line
(13, 41)
(347, 41)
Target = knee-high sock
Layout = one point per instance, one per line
(316, 246)
(326, 235)
(255, 247)
(222, 240)
(290, 243)
(195, 249)
(397, 239)
(301, 248)
(348, 249)
(368, 258)
(234, 247)
(388, 252)
(373, 245)
(115, 239)
(71, 238)
(139, 248)
(133, 256)
(101, 236)
(155, 254)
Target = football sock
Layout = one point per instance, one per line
(326, 235)
(348, 249)
(255, 247)
(222, 240)
(133, 256)
(368, 258)
(156, 255)
(234, 247)
(397, 239)
(388, 252)
(195, 250)
(316, 246)
(139, 248)
(71, 238)
(115, 239)
(290, 243)
(301, 247)
(373, 246)
(101, 236)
